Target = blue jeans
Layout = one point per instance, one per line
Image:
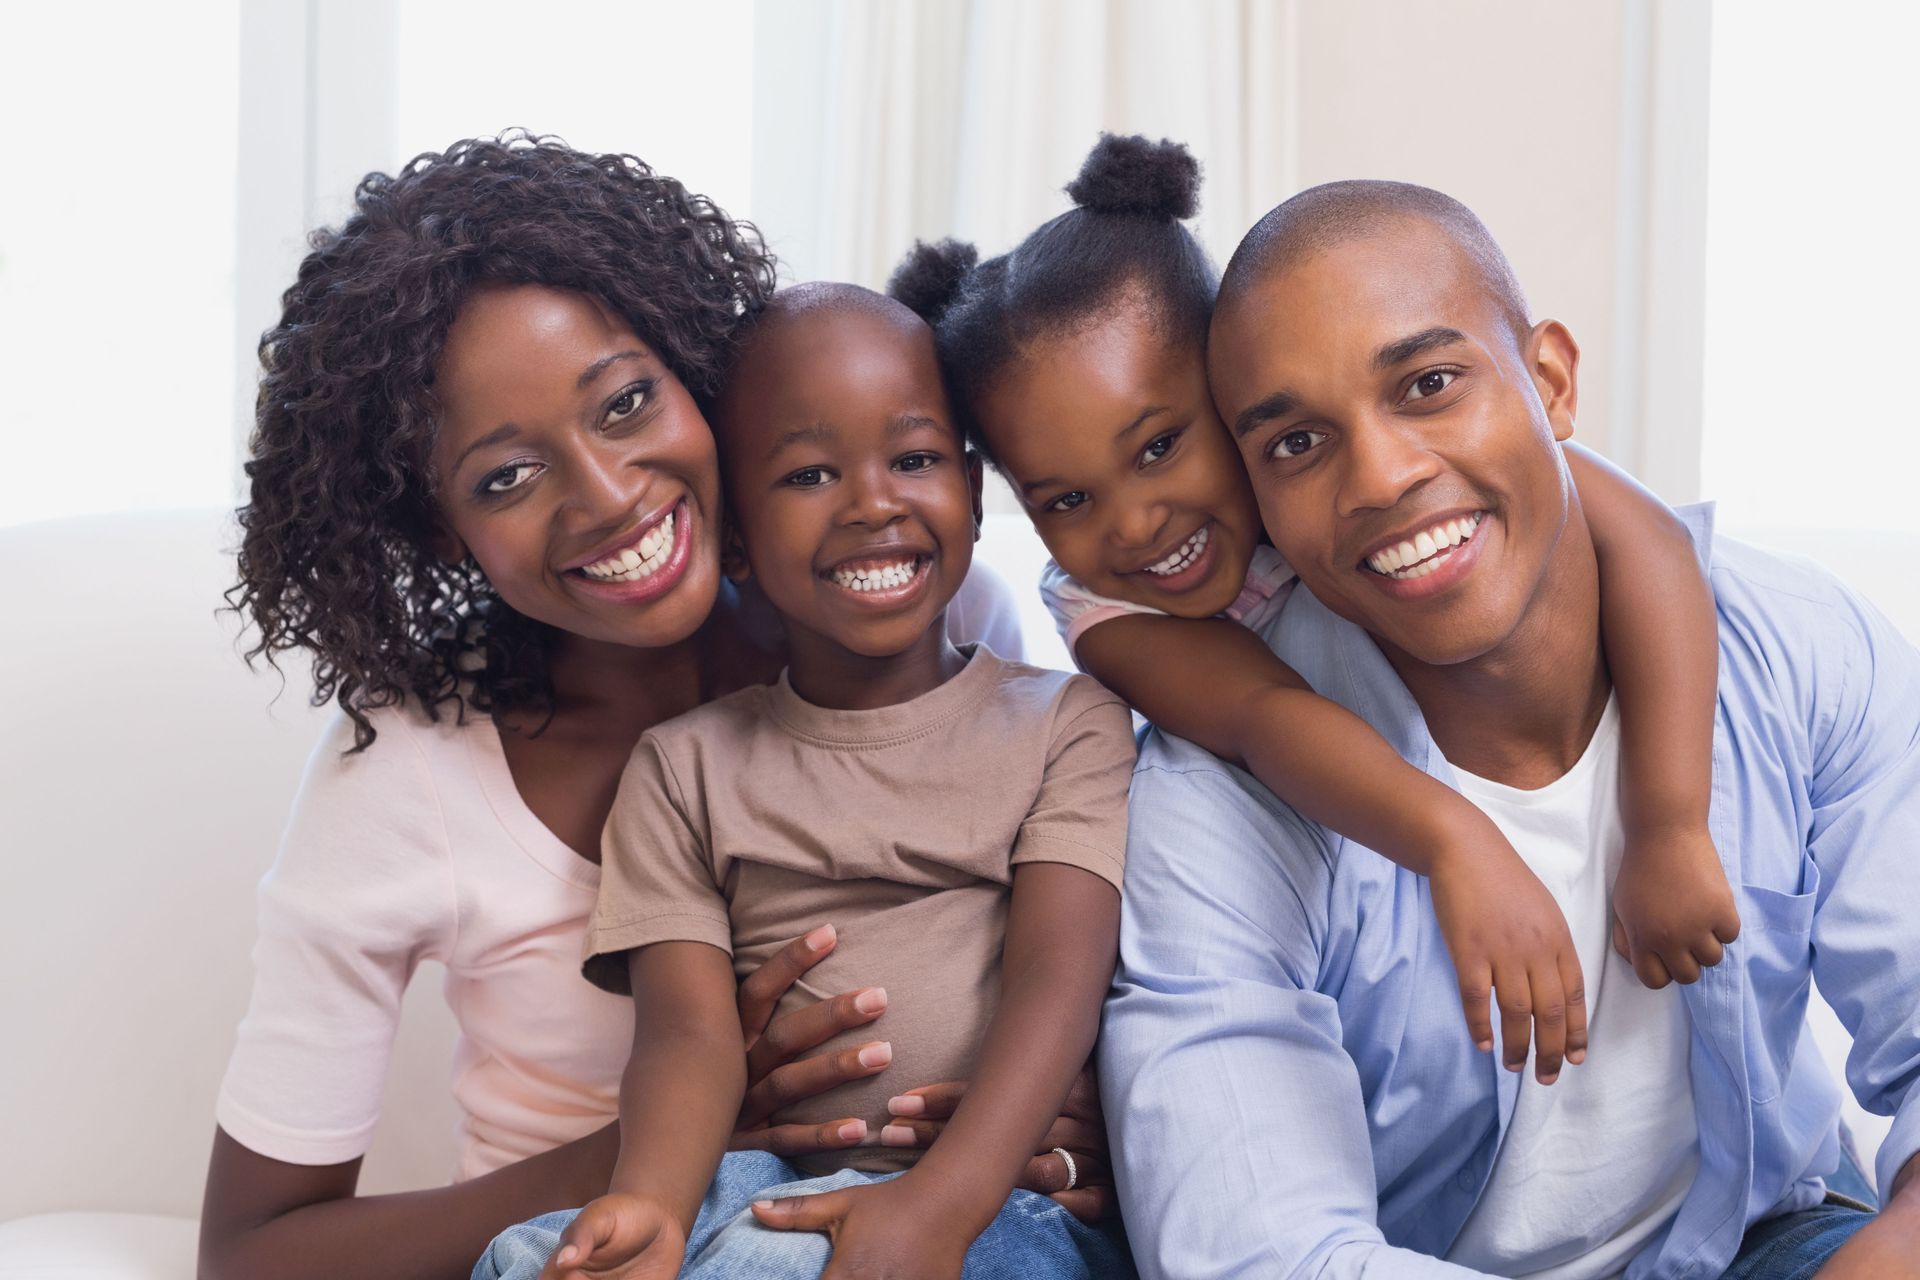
(1032, 1239)
(1794, 1246)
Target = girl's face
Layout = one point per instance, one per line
(1112, 443)
(575, 469)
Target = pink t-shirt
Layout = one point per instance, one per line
(420, 848)
(1076, 608)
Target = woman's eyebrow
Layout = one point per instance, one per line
(604, 363)
(504, 432)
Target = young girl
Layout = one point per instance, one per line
(1078, 359)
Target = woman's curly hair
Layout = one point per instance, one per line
(337, 554)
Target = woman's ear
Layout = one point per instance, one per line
(975, 480)
(733, 554)
(446, 545)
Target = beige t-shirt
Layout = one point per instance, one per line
(759, 816)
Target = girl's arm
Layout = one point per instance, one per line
(678, 1098)
(1063, 931)
(1217, 684)
(1657, 618)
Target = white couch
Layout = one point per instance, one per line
(144, 776)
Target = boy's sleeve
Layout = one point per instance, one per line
(1080, 814)
(656, 874)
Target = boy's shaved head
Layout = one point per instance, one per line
(1322, 217)
(822, 296)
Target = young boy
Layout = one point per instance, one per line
(960, 819)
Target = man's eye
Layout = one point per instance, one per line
(511, 476)
(1295, 443)
(630, 401)
(1158, 447)
(808, 478)
(1431, 384)
(1067, 501)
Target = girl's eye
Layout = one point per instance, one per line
(1295, 443)
(917, 461)
(808, 478)
(630, 402)
(509, 477)
(1159, 447)
(1067, 501)
(1431, 384)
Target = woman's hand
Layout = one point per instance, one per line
(778, 1076)
(920, 1115)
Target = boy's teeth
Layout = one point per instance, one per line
(876, 576)
(1424, 552)
(1183, 556)
(641, 560)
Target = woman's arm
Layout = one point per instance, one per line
(1216, 683)
(1674, 908)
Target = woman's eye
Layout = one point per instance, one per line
(808, 478)
(1067, 501)
(630, 401)
(1158, 447)
(1431, 384)
(511, 476)
(1295, 443)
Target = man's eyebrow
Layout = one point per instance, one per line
(1407, 348)
(1277, 405)
(812, 433)
(504, 432)
(601, 365)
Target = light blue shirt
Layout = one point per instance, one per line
(1288, 1080)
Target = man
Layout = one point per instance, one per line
(1291, 1089)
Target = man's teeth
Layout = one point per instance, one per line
(1183, 556)
(1426, 551)
(878, 575)
(643, 559)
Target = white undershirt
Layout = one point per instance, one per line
(1594, 1165)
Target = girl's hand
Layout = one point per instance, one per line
(618, 1237)
(1508, 937)
(775, 1079)
(1673, 908)
(880, 1231)
(920, 1115)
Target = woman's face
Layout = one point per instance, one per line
(575, 469)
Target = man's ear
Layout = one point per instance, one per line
(733, 553)
(1553, 358)
(976, 481)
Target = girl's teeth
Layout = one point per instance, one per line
(1425, 552)
(876, 577)
(1183, 557)
(642, 560)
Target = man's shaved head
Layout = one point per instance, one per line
(1322, 217)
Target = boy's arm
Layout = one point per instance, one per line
(678, 1098)
(1658, 620)
(1217, 684)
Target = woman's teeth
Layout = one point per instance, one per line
(878, 575)
(1183, 557)
(1426, 551)
(643, 559)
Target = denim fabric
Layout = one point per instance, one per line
(1032, 1239)
(1794, 1246)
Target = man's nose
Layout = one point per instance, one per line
(1384, 461)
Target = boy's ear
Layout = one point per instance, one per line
(976, 479)
(733, 554)
(1553, 358)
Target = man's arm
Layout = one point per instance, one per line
(1239, 1130)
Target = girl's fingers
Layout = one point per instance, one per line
(801, 1139)
(820, 1212)
(1651, 971)
(762, 989)
(1621, 943)
(1709, 953)
(810, 1077)
(590, 1228)
(1476, 1000)
(929, 1102)
(1575, 988)
(792, 1034)
(1515, 998)
(1683, 969)
(1549, 1023)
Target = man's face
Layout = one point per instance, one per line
(1401, 439)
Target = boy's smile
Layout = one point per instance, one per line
(854, 501)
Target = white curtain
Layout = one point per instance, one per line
(878, 122)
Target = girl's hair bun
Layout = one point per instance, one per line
(928, 279)
(1134, 174)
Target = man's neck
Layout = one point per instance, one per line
(1523, 713)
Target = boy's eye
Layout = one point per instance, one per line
(1067, 501)
(1158, 447)
(808, 478)
(511, 476)
(1431, 383)
(917, 461)
(630, 401)
(1295, 443)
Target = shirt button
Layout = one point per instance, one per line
(1465, 1179)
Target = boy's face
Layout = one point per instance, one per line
(1113, 446)
(855, 502)
(1400, 438)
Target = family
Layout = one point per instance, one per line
(1456, 914)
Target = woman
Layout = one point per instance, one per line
(486, 501)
